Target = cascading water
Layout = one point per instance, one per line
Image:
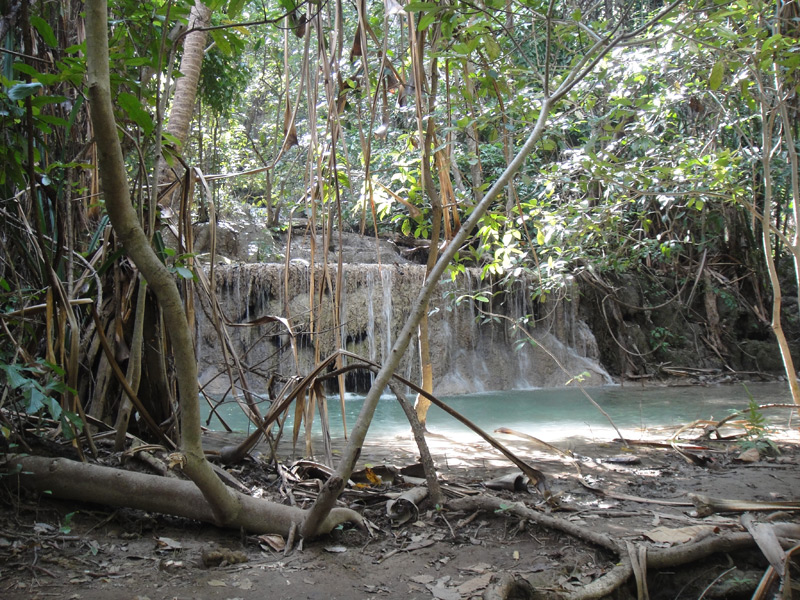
(471, 350)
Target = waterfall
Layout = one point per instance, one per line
(386, 283)
(373, 351)
(469, 352)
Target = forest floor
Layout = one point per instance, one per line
(51, 549)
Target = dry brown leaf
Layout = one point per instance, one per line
(273, 540)
(750, 455)
(680, 535)
(469, 587)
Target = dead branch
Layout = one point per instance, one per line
(656, 558)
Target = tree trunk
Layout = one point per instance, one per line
(183, 101)
(767, 143)
(226, 507)
(426, 136)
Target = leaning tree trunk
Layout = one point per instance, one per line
(227, 507)
(767, 128)
(577, 72)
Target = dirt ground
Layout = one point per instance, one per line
(51, 549)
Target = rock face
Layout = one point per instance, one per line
(472, 351)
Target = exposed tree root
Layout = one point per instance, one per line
(656, 558)
(72, 480)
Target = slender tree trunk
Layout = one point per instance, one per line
(184, 100)
(472, 135)
(129, 231)
(426, 135)
(227, 507)
(335, 485)
(767, 143)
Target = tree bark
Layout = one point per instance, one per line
(194, 46)
(183, 101)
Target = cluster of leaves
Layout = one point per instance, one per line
(757, 431)
(37, 388)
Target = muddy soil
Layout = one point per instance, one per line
(51, 549)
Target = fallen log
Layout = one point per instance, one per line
(71, 480)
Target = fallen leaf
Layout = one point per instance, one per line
(43, 528)
(680, 535)
(469, 587)
(165, 543)
(419, 545)
(274, 541)
(423, 579)
(217, 583)
(750, 455)
(373, 478)
(335, 549)
(443, 593)
(479, 568)
(246, 584)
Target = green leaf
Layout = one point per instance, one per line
(36, 401)
(70, 423)
(15, 378)
(421, 6)
(548, 145)
(4, 284)
(184, 272)
(492, 47)
(235, 8)
(44, 29)
(53, 407)
(717, 72)
(23, 90)
(74, 419)
(131, 105)
(43, 78)
(42, 100)
(222, 42)
(426, 20)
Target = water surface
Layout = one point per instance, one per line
(556, 414)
